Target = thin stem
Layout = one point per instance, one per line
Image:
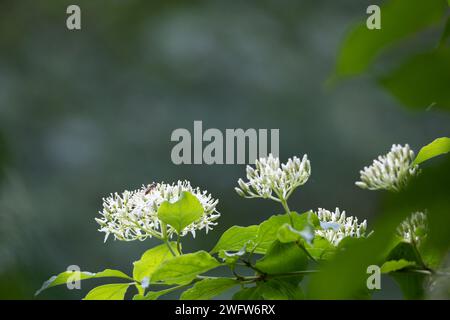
(251, 266)
(290, 274)
(170, 247)
(288, 211)
(179, 245)
(165, 238)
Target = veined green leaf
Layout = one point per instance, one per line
(268, 231)
(286, 233)
(433, 149)
(396, 265)
(69, 276)
(183, 269)
(235, 238)
(321, 249)
(151, 260)
(399, 19)
(208, 288)
(252, 293)
(282, 258)
(230, 258)
(278, 289)
(182, 213)
(115, 291)
(275, 289)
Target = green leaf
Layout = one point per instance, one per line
(69, 276)
(399, 19)
(433, 149)
(321, 249)
(152, 295)
(208, 288)
(115, 291)
(278, 289)
(286, 233)
(283, 258)
(445, 33)
(252, 293)
(182, 213)
(403, 251)
(151, 260)
(230, 258)
(268, 231)
(412, 285)
(183, 269)
(275, 289)
(235, 238)
(396, 265)
(422, 81)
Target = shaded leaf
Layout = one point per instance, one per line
(282, 258)
(412, 285)
(278, 289)
(321, 249)
(252, 293)
(208, 288)
(422, 81)
(399, 19)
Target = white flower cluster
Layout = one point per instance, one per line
(269, 178)
(391, 171)
(133, 214)
(336, 226)
(414, 228)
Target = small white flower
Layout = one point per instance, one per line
(336, 226)
(414, 228)
(391, 171)
(271, 180)
(133, 214)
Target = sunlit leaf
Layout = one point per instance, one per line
(235, 238)
(69, 276)
(151, 260)
(115, 291)
(396, 265)
(182, 213)
(183, 269)
(436, 148)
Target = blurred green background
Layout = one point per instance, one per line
(85, 113)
